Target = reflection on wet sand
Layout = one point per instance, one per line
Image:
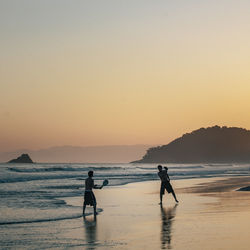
(167, 218)
(90, 225)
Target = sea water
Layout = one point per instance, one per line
(37, 192)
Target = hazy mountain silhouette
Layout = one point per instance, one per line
(94, 154)
(207, 145)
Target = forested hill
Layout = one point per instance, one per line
(205, 145)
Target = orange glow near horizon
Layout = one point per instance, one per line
(105, 74)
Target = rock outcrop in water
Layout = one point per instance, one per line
(24, 158)
(205, 145)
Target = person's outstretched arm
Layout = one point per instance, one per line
(98, 187)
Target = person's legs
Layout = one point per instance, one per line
(83, 209)
(94, 202)
(173, 193)
(84, 202)
(162, 190)
(95, 213)
(160, 198)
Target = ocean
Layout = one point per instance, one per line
(37, 192)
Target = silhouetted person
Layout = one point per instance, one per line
(165, 183)
(89, 197)
(167, 217)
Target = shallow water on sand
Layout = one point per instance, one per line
(37, 192)
(41, 204)
(132, 219)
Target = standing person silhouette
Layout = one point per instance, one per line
(165, 183)
(89, 197)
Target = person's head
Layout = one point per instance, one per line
(160, 167)
(90, 173)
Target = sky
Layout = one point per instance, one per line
(87, 73)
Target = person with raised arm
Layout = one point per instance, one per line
(165, 183)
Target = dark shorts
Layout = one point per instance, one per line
(89, 198)
(167, 186)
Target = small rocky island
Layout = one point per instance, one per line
(24, 158)
(205, 145)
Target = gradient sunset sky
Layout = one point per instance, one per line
(108, 72)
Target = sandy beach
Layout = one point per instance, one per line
(211, 215)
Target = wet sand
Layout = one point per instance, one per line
(211, 215)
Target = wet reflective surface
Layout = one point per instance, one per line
(131, 218)
(167, 218)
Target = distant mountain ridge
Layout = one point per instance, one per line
(206, 145)
(75, 154)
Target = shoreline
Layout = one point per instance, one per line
(221, 184)
(208, 206)
(131, 218)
